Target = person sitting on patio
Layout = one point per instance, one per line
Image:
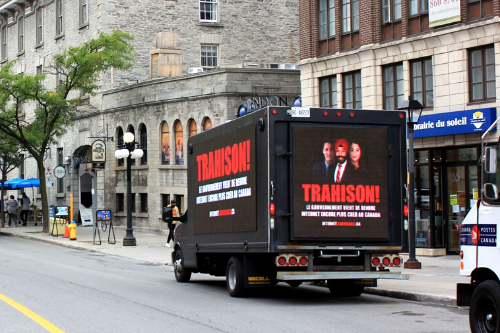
(11, 208)
(25, 208)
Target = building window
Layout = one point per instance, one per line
(179, 143)
(192, 127)
(165, 144)
(131, 130)
(393, 86)
(352, 90)
(119, 143)
(209, 56)
(179, 202)
(207, 124)
(84, 12)
(422, 82)
(133, 203)
(4, 43)
(326, 20)
(350, 23)
(120, 202)
(328, 91)
(39, 26)
(479, 9)
(391, 19)
(59, 17)
(482, 73)
(165, 200)
(144, 202)
(208, 10)
(419, 16)
(60, 161)
(20, 35)
(144, 145)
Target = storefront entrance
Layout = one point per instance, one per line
(446, 186)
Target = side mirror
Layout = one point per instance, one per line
(490, 191)
(490, 160)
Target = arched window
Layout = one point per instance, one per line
(165, 144)
(130, 129)
(179, 143)
(119, 143)
(192, 127)
(207, 124)
(144, 144)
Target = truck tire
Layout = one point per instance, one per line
(182, 274)
(484, 312)
(344, 288)
(234, 277)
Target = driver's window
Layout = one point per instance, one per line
(494, 178)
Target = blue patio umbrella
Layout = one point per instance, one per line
(32, 182)
(13, 182)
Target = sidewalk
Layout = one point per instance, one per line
(434, 283)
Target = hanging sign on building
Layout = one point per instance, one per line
(460, 122)
(443, 12)
(98, 154)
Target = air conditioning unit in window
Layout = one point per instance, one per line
(193, 70)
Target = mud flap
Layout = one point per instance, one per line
(257, 273)
(464, 293)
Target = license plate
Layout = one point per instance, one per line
(301, 112)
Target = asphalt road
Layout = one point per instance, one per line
(80, 291)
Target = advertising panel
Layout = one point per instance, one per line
(340, 182)
(225, 183)
(443, 12)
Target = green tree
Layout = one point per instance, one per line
(76, 70)
(11, 157)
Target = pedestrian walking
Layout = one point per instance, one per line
(172, 223)
(11, 207)
(25, 208)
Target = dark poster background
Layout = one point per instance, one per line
(354, 208)
(225, 203)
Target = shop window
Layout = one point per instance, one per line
(179, 143)
(119, 143)
(422, 82)
(482, 74)
(421, 156)
(165, 144)
(60, 161)
(207, 124)
(144, 144)
(350, 23)
(144, 202)
(352, 90)
(419, 16)
(391, 19)
(422, 206)
(39, 26)
(461, 154)
(209, 56)
(208, 10)
(393, 86)
(4, 43)
(326, 21)
(59, 18)
(120, 202)
(193, 130)
(20, 35)
(477, 9)
(328, 91)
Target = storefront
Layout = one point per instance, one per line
(447, 179)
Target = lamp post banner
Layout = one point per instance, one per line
(98, 151)
(460, 122)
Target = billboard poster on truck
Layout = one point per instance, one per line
(225, 183)
(340, 182)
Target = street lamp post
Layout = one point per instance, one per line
(130, 149)
(414, 110)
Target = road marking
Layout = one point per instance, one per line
(39, 320)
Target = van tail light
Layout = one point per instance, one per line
(271, 209)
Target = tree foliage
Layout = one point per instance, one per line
(34, 115)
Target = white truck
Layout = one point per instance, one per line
(480, 246)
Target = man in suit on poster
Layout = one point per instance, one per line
(343, 170)
(323, 170)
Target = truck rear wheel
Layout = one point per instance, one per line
(234, 277)
(484, 309)
(344, 288)
(182, 274)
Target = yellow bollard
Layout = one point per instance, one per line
(72, 230)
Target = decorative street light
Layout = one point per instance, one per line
(130, 149)
(414, 110)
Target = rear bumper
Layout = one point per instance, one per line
(310, 276)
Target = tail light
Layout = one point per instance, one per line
(292, 260)
(386, 261)
(282, 261)
(303, 261)
(376, 261)
(396, 261)
(271, 209)
(405, 210)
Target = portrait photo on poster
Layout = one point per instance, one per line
(340, 182)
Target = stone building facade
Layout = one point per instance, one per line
(374, 54)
